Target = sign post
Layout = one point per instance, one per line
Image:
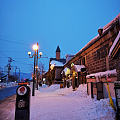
(22, 110)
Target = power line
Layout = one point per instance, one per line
(13, 41)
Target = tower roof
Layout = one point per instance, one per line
(58, 49)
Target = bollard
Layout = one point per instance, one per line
(22, 110)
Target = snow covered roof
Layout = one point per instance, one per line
(78, 67)
(56, 63)
(114, 44)
(60, 60)
(101, 74)
(105, 28)
(96, 38)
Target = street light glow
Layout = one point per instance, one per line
(29, 53)
(40, 53)
(35, 47)
(52, 66)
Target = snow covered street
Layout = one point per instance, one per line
(52, 103)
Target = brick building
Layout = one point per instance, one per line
(95, 56)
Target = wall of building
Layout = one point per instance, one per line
(58, 75)
(95, 57)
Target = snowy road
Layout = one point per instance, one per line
(53, 103)
(6, 92)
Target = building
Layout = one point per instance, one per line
(55, 68)
(100, 57)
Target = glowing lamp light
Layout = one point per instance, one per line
(68, 71)
(40, 53)
(52, 66)
(36, 67)
(29, 53)
(35, 47)
(72, 64)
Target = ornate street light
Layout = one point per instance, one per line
(35, 55)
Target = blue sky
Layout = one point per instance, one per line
(71, 24)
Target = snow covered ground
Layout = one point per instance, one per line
(53, 103)
(9, 84)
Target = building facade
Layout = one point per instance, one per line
(96, 55)
(55, 68)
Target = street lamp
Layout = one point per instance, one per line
(35, 55)
(35, 47)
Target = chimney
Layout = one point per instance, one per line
(100, 31)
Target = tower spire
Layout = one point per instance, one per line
(58, 53)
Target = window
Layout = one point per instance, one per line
(102, 52)
(83, 60)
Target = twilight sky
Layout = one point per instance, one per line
(71, 24)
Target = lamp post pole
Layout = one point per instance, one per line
(35, 75)
(33, 88)
(37, 69)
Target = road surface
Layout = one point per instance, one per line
(7, 92)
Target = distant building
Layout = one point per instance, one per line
(56, 67)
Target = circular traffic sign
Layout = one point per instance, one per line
(22, 90)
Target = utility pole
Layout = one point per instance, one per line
(9, 67)
(19, 72)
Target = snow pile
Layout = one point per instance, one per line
(49, 89)
(80, 92)
(53, 103)
(101, 74)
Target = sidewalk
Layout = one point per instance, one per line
(64, 104)
(53, 103)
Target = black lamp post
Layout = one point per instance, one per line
(35, 75)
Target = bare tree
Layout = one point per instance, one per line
(40, 72)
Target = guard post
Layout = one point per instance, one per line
(22, 109)
(117, 94)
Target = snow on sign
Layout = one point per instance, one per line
(22, 90)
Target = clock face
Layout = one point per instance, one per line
(22, 90)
